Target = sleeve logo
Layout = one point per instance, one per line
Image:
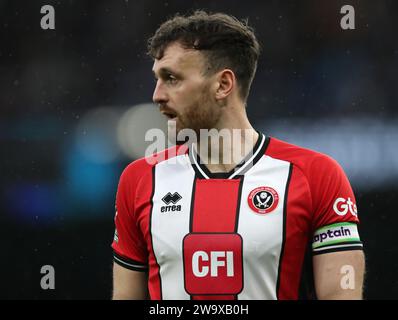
(341, 206)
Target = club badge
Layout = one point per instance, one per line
(263, 200)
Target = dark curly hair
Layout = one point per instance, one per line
(225, 42)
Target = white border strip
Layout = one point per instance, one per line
(194, 153)
(251, 158)
(341, 246)
(138, 266)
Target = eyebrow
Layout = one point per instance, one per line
(164, 71)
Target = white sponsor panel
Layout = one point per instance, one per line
(167, 240)
(262, 233)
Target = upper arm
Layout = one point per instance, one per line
(339, 275)
(129, 284)
(338, 261)
(129, 244)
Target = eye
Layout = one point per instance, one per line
(171, 79)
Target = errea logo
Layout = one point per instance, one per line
(341, 206)
(170, 200)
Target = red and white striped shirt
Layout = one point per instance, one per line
(237, 235)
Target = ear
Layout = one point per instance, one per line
(226, 82)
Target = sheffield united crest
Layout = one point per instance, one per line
(263, 200)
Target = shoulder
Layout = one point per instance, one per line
(324, 177)
(307, 160)
(142, 167)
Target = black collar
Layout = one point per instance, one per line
(240, 169)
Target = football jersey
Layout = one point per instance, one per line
(237, 235)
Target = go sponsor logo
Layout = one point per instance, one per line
(342, 206)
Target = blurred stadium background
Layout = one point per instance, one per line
(75, 102)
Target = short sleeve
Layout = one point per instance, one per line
(129, 246)
(335, 214)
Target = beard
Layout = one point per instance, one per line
(203, 113)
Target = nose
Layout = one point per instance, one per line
(160, 94)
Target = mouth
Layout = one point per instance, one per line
(170, 114)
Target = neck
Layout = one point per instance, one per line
(226, 145)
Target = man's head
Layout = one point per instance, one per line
(200, 61)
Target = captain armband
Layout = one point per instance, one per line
(336, 237)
